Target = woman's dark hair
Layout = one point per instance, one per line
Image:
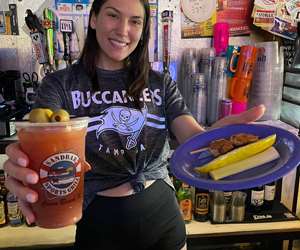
(137, 62)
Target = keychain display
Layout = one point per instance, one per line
(48, 25)
(36, 34)
(66, 28)
(167, 19)
(55, 40)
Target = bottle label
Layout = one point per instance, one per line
(257, 198)
(2, 213)
(201, 203)
(186, 209)
(270, 192)
(14, 213)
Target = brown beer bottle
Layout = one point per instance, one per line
(201, 206)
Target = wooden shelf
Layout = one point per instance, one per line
(23, 236)
(206, 229)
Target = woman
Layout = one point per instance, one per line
(129, 199)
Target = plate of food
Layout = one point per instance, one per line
(236, 157)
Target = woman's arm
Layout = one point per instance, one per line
(185, 126)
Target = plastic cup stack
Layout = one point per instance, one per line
(267, 81)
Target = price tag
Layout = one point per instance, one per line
(66, 26)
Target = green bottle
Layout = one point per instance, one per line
(185, 200)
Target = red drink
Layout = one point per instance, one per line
(56, 152)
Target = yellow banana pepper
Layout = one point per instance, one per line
(238, 154)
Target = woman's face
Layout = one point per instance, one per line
(119, 26)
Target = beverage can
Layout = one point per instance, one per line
(225, 108)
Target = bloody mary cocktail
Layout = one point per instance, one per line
(56, 152)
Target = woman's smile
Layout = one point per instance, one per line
(118, 43)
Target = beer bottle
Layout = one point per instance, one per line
(256, 199)
(269, 194)
(184, 197)
(201, 206)
(15, 216)
(3, 220)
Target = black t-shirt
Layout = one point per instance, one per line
(123, 143)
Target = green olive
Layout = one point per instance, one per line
(60, 115)
(40, 115)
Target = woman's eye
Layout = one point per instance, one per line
(137, 22)
(112, 15)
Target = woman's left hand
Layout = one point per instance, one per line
(248, 116)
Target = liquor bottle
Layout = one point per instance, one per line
(3, 219)
(269, 195)
(15, 216)
(185, 200)
(201, 206)
(256, 199)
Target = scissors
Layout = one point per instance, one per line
(33, 78)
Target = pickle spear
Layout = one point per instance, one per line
(238, 154)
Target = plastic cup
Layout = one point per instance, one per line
(56, 152)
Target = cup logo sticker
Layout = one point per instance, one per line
(60, 173)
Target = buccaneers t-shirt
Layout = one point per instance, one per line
(123, 143)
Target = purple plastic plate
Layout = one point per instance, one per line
(287, 144)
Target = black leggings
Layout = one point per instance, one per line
(149, 220)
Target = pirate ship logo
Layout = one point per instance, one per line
(60, 173)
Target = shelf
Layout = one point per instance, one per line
(206, 229)
(24, 236)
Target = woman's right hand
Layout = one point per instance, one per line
(18, 178)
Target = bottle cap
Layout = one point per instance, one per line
(238, 107)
